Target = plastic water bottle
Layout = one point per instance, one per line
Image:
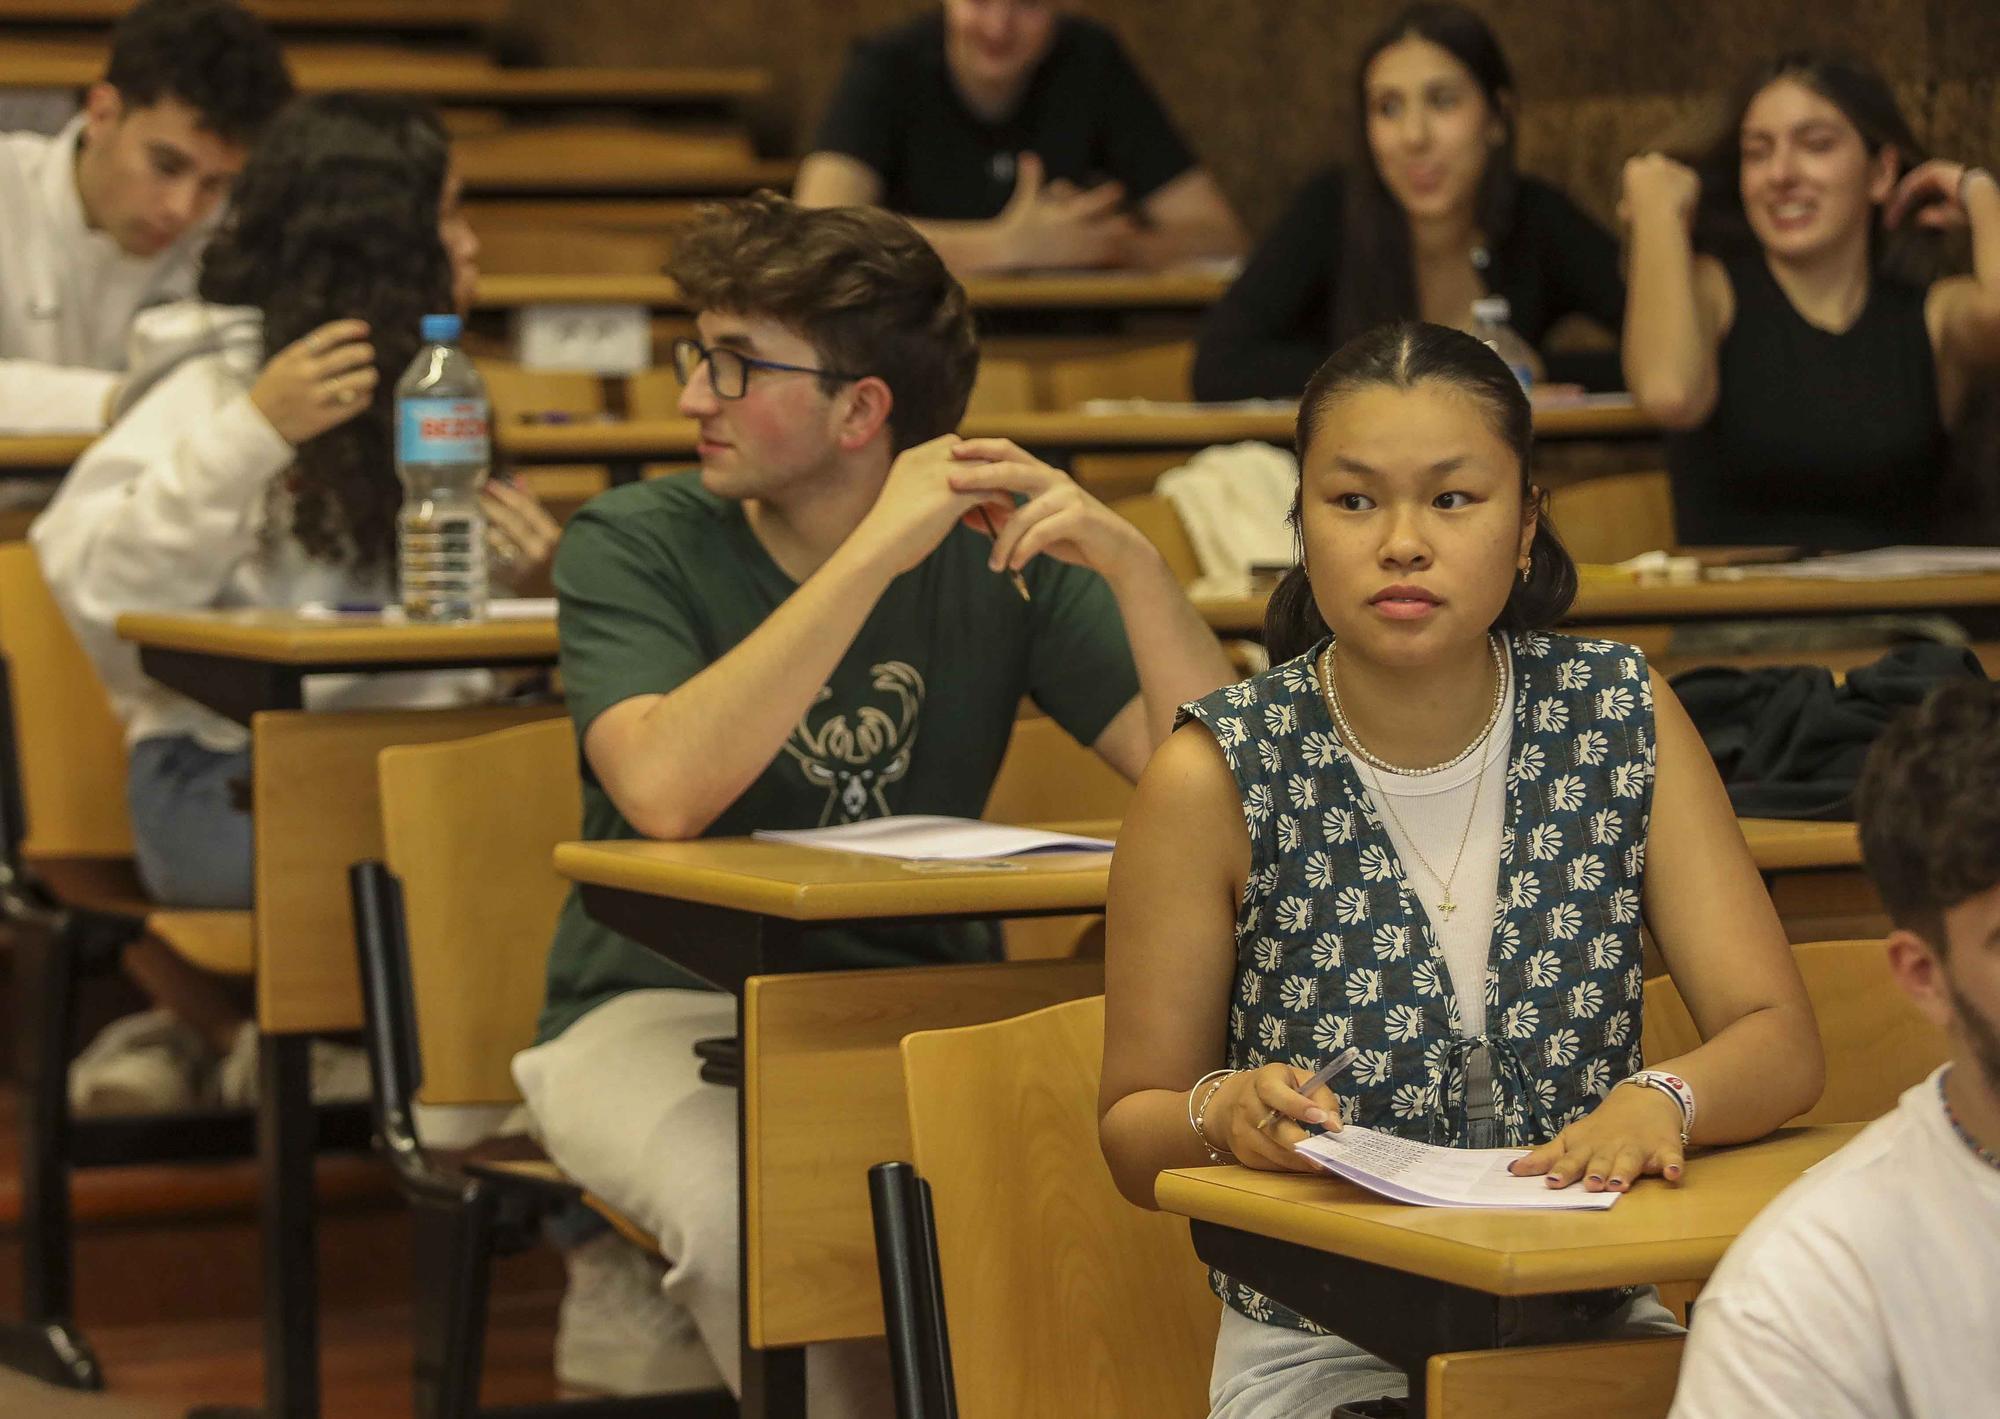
(1489, 322)
(442, 453)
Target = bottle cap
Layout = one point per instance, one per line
(440, 329)
(1492, 309)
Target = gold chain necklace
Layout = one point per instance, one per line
(1447, 906)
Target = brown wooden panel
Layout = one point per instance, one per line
(823, 1073)
(1632, 1379)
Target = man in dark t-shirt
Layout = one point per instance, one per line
(806, 632)
(1015, 136)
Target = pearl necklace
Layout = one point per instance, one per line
(1331, 694)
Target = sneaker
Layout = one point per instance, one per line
(339, 1072)
(148, 1063)
(616, 1334)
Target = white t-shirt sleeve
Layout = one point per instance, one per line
(37, 398)
(1747, 1357)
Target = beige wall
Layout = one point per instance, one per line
(1261, 86)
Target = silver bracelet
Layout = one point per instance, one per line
(1675, 1088)
(1197, 1115)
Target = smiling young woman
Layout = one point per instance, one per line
(1431, 832)
(1429, 216)
(1788, 321)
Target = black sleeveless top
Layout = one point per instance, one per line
(1817, 440)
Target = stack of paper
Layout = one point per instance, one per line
(924, 838)
(1430, 1176)
(1880, 564)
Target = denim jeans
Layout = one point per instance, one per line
(190, 822)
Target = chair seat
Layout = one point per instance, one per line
(220, 941)
(519, 1159)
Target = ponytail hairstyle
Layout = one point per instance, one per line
(1403, 356)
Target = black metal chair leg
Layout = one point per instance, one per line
(286, 1133)
(46, 1343)
(912, 1292)
(453, 1250)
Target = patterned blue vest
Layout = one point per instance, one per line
(1334, 949)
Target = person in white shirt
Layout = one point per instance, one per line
(109, 216)
(1870, 1289)
(252, 465)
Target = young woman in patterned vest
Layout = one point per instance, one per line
(1431, 832)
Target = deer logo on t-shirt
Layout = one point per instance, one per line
(856, 758)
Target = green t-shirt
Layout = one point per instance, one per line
(660, 579)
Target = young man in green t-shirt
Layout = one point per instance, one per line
(807, 632)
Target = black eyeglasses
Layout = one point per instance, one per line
(729, 370)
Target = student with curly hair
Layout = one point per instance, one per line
(252, 465)
(110, 215)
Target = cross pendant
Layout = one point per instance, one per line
(1447, 906)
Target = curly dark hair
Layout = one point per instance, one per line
(212, 55)
(860, 284)
(336, 216)
(1929, 807)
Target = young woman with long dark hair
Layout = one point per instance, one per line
(1788, 319)
(252, 465)
(1430, 215)
(1431, 832)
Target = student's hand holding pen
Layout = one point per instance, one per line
(1260, 1115)
(916, 507)
(1058, 518)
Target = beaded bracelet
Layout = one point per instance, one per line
(1675, 1088)
(1197, 1115)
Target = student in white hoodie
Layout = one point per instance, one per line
(109, 216)
(251, 465)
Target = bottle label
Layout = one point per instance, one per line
(442, 431)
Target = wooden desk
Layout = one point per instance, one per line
(441, 77)
(1410, 1282)
(732, 910)
(41, 455)
(630, 444)
(605, 158)
(1604, 601)
(242, 664)
(318, 14)
(1080, 290)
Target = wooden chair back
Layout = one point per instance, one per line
(1003, 386)
(823, 1102)
(1633, 1379)
(653, 393)
(1047, 777)
(469, 827)
(510, 249)
(1061, 1297)
(517, 391)
(316, 811)
(1163, 372)
(1153, 515)
(1877, 1044)
(68, 747)
(1614, 515)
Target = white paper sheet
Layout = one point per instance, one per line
(919, 837)
(1430, 1176)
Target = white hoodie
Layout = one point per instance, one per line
(68, 294)
(170, 511)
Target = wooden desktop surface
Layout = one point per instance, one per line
(1655, 1233)
(41, 453)
(441, 77)
(1073, 290)
(284, 638)
(320, 14)
(1609, 600)
(662, 439)
(806, 884)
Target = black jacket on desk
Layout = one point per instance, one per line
(1265, 337)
